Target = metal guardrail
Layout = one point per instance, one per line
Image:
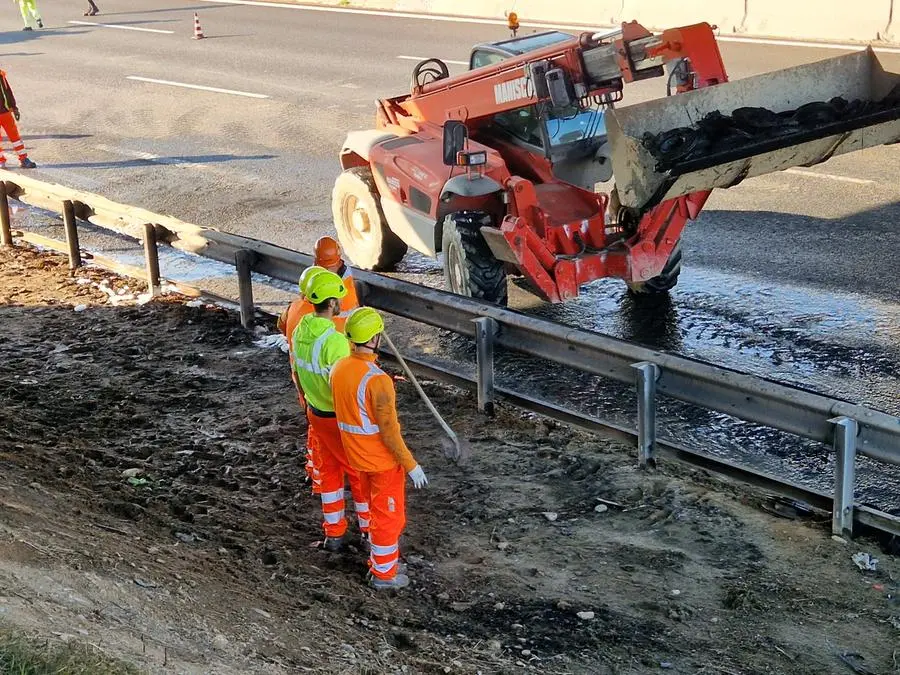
(850, 429)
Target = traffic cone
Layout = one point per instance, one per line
(198, 32)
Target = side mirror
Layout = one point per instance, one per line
(455, 134)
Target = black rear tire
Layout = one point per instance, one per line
(360, 223)
(666, 280)
(470, 267)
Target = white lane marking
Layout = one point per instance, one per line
(195, 86)
(422, 58)
(537, 24)
(183, 162)
(113, 25)
(830, 176)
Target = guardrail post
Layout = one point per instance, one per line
(151, 258)
(646, 375)
(243, 262)
(485, 330)
(71, 234)
(5, 231)
(845, 431)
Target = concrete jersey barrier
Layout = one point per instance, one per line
(825, 20)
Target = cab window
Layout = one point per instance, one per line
(482, 58)
(523, 123)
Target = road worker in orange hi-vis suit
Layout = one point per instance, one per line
(287, 324)
(328, 255)
(317, 346)
(365, 405)
(9, 115)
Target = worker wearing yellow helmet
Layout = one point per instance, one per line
(366, 407)
(317, 346)
(287, 324)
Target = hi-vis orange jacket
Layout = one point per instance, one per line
(366, 407)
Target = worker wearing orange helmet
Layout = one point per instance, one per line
(317, 346)
(365, 405)
(328, 255)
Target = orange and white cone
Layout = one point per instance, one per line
(198, 32)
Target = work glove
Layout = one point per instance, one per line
(418, 477)
(16, 114)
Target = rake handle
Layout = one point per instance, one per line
(412, 378)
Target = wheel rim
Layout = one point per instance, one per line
(456, 271)
(356, 219)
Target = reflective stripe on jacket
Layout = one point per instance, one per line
(316, 347)
(365, 405)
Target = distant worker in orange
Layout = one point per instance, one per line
(287, 324)
(9, 115)
(328, 255)
(317, 346)
(365, 405)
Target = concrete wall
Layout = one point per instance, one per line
(829, 20)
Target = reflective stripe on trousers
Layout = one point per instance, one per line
(367, 427)
(362, 514)
(387, 514)
(333, 506)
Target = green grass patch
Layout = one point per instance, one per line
(21, 655)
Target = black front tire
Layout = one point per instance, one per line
(470, 267)
(667, 279)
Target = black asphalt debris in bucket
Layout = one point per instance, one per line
(746, 127)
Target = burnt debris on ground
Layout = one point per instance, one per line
(153, 504)
(748, 127)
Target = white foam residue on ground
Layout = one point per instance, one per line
(273, 341)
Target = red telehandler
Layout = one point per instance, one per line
(502, 168)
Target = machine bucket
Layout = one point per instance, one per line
(644, 181)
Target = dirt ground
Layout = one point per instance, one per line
(201, 563)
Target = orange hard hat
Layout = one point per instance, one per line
(328, 253)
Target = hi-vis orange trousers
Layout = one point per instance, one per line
(386, 494)
(333, 471)
(11, 129)
(312, 455)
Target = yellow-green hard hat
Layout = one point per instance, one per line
(308, 274)
(363, 324)
(323, 286)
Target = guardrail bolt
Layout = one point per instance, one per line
(485, 330)
(71, 225)
(5, 231)
(646, 375)
(243, 262)
(846, 430)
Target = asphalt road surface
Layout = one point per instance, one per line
(794, 276)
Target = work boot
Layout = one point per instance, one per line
(28, 28)
(27, 164)
(334, 544)
(399, 581)
(40, 24)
